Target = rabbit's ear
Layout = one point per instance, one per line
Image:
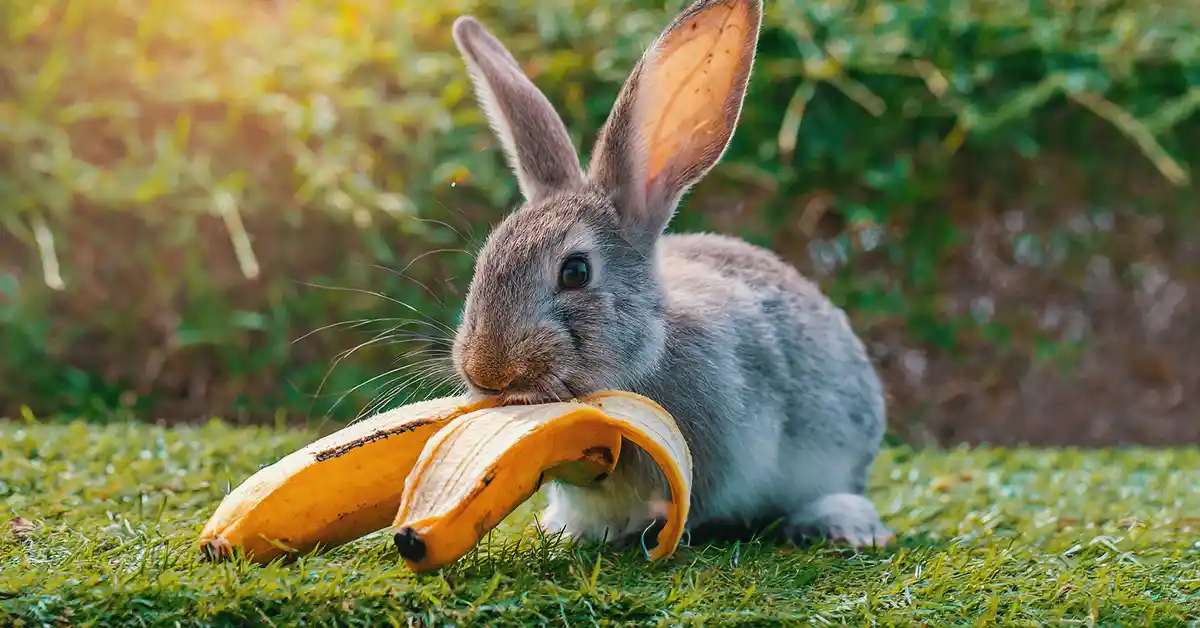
(676, 114)
(534, 138)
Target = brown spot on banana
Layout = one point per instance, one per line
(602, 453)
(343, 449)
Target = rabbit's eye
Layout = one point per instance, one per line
(574, 273)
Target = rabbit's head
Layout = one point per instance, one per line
(566, 296)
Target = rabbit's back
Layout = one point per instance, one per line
(771, 384)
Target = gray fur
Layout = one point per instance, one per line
(780, 404)
(535, 139)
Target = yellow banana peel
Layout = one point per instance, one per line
(338, 488)
(480, 467)
(443, 473)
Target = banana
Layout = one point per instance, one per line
(444, 472)
(482, 465)
(338, 488)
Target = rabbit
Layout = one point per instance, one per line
(580, 289)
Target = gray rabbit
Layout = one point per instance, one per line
(580, 289)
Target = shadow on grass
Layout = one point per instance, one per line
(770, 532)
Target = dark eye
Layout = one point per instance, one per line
(574, 273)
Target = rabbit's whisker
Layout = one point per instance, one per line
(408, 373)
(389, 336)
(447, 379)
(364, 383)
(353, 324)
(432, 321)
(439, 365)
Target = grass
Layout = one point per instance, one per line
(1012, 537)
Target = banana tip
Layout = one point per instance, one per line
(650, 534)
(410, 545)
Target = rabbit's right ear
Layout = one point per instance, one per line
(535, 140)
(676, 114)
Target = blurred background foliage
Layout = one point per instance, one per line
(207, 206)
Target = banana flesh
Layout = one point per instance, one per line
(338, 488)
(481, 466)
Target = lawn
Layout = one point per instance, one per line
(1018, 537)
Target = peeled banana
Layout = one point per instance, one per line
(337, 489)
(443, 473)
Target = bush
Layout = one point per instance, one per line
(193, 187)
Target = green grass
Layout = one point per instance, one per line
(987, 537)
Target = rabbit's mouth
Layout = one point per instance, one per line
(546, 389)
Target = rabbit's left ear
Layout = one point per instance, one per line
(535, 140)
(676, 114)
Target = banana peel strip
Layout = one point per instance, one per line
(336, 489)
(481, 466)
(445, 472)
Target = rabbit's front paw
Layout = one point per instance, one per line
(840, 518)
(557, 520)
